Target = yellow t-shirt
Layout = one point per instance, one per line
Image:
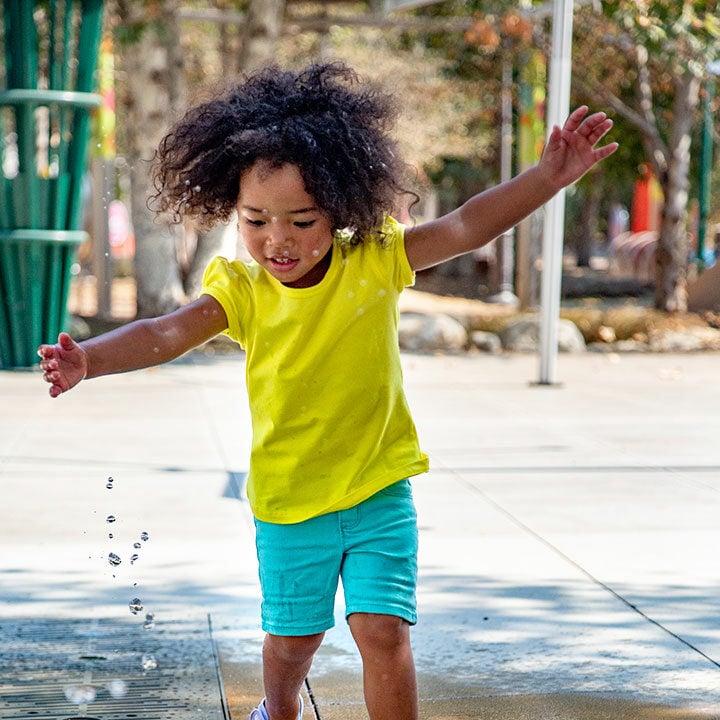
(331, 424)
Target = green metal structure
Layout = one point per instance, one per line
(50, 49)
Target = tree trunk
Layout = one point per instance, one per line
(589, 214)
(260, 34)
(672, 256)
(155, 89)
(262, 29)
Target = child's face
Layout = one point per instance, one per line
(281, 225)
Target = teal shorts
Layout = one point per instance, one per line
(372, 547)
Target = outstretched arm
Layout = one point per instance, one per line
(139, 344)
(570, 152)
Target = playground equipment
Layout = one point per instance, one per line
(46, 98)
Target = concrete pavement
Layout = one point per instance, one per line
(569, 534)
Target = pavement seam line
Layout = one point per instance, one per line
(218, 673)
(313, 703)
(519, 523)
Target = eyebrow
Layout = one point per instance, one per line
(290, 212)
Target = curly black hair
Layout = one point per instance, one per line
(322, 119)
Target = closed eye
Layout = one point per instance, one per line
(254, 223)
(304, 223)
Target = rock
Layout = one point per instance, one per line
(690, 339)
(523, 335)
(620, 346)
(606, 334)
(486, 341)
(431, 332)
(78, 327)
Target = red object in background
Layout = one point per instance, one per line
(647, 202)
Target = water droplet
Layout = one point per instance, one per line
(80, 694)
(135, 606)
(315, 252)
(144, 536)
(117, 688)
(149, 623)
(196, 188)
(137, 545)
(148, 662)
(133, 558)
(187, 182)
(114, 559)
(110, 535)
(109, 484)
(110, 519)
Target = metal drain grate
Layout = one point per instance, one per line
(41, 658)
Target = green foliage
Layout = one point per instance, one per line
(683, 32)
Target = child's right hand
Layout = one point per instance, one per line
(64, 364)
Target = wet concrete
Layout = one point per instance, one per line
(569, 535)
(338, 696)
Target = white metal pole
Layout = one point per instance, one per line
(553, 228)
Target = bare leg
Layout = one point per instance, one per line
(286, 663)
(388, 666)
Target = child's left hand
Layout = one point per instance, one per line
(570, 151)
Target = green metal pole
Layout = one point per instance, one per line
(705, 171)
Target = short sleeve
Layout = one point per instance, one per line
(229, 283)
(394, 239)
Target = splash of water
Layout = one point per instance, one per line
(117, 688)
(80, 694)
(148, 662)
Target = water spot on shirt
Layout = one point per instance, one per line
(363, 282)
(351, 293)
(361, 310)
(382, 292)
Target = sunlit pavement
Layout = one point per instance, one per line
(569, 534)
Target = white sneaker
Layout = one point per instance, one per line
(261, 713)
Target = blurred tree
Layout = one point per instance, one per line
(154, 82)
(647, 61)
(153, 90)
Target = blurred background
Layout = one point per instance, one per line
(471, 78)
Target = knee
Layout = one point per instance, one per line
(292, 649)
(380, 635)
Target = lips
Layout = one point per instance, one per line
(283, 264)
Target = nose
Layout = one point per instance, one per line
(278, 232)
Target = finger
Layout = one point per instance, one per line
(600, 131)
(65, 341)
(575, 118)
(602, 152)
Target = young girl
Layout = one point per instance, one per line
(306, 161)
